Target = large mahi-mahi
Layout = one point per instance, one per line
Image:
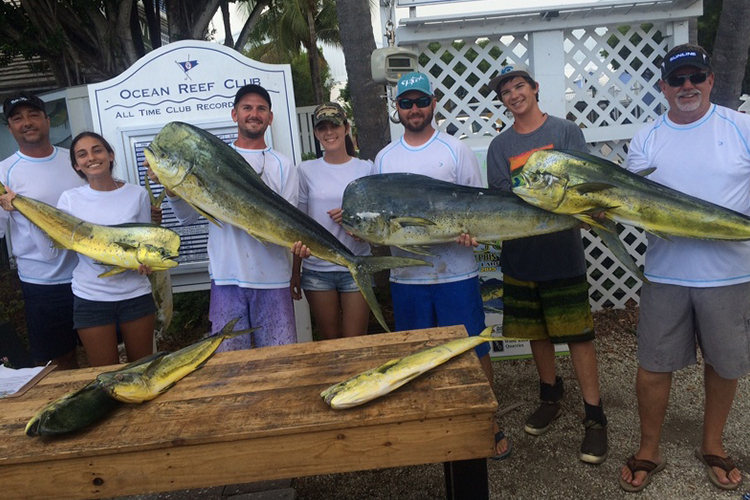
(214, 179)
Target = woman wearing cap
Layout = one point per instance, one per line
(100, 305)
(338, 307)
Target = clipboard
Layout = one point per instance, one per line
(31, 383)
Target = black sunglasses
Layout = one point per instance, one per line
(421, 102)
(679, 81)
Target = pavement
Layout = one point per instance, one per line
(547, 466)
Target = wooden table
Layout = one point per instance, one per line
(256, 415)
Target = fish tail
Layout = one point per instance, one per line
(362, 271)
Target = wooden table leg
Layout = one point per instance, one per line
(467, 480)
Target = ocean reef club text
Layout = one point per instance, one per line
(184, 88)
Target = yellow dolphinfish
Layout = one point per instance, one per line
(390, 376)
(125, 246)
(164, 372)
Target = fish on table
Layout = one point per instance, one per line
(123, 247)
(78, 409)
(580, 184)
(391, 375)
(215, 180)
(412, 211)
(165, 371)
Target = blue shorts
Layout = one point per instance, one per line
(443, 304)
(91, 313)
(326, 281)
(49, 320)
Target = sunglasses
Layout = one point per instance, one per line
(421, 102)
(679, 81)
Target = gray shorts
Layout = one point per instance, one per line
(674, 319)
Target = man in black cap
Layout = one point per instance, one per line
(40, 171)
(250, 278)
(699, 291)
(544, 277)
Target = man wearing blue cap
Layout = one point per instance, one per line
(699, 290)
(447, 293)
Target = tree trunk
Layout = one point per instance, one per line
(239, 46)
(370, 109)
(313, 55)
(731, 52)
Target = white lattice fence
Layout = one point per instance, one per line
(611, 75)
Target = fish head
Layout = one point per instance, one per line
(127, 387)
(157, 258)
(541, 182)
(172, 152)
(370, 226)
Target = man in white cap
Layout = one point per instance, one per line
(699, 290)
(447, 293)
(545, 291)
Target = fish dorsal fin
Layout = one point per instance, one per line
(412, 221)
(646, 172)
(416, 249)
(112, 272)
(590, 187)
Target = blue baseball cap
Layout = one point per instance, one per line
(414, 81)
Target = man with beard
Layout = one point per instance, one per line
(40, 171)
(447, 293)
(250, 278)
(699, 290)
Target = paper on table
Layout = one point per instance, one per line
(12, 381)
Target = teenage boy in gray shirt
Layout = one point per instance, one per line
(545, 289)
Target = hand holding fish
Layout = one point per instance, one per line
(465, 239)
(155, 178)
(300, 250)
(144, 270)
(336, 214)
(6, 200)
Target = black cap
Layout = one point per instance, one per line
(22, 98)
(685, 55)
(252, 88)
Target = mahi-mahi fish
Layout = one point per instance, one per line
(123, 247)
(580, 184)
(411, 211)
(215, 179)
(164, 372)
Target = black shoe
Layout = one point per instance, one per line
(550, 409)
(538, 422)
(594, 448)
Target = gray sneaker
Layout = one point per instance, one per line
(594, 448)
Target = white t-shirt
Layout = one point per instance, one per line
(42, 179)
(708, 159)
(235, 257)
(445, 158)
(321, 188)
(127, 204)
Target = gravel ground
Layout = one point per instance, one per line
(547, 466)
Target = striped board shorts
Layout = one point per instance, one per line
(557, 310)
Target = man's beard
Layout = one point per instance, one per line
(687, 107)
(418, 128)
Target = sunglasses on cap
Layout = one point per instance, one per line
(421, 102)
(679, 81)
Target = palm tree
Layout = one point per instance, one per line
(730, 52)
(293, 25)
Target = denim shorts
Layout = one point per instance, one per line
(317, 281)
(91, 313)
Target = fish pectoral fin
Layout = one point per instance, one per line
(125, 246)
(152, 366)
(411, 221)
(385, 366)
(646, 172)
(113, 271)
(416, 249)
(592, 222)
(590, 187)
(208, 216)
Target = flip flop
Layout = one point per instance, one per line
(716, 461)
(499, 436)
(636, 465)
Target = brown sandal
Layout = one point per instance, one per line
(636, 465)
(724, 463)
